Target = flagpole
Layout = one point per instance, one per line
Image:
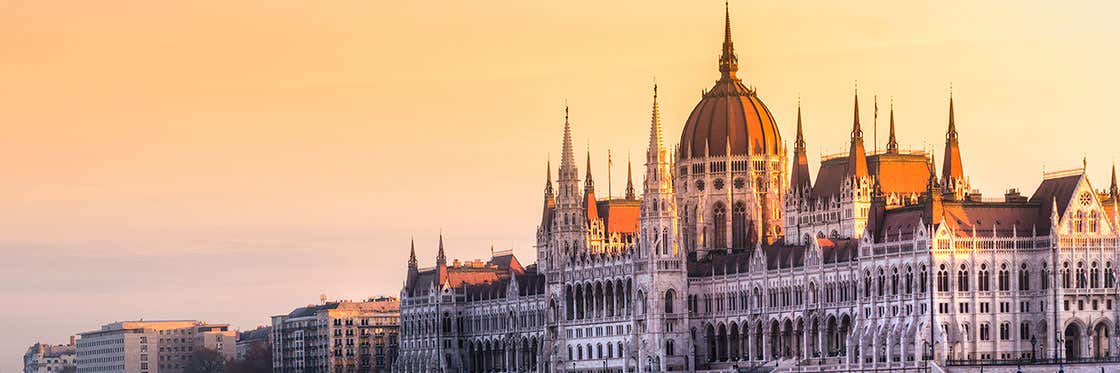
(875, 123)
(609, 163)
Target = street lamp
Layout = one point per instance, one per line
(1034, 348)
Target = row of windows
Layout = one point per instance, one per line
(596, 351)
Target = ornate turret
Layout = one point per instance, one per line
(857, 156)
(799, 177)
(892, 142)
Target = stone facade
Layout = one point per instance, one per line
(736, 258)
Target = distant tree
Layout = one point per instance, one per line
(205, 360)
(257, 360)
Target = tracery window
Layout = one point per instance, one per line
(719, 220)
(981, 280)
(1004, 278)
(962, 278)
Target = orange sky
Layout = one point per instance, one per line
(231, 161)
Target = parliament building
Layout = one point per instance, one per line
(728, 255)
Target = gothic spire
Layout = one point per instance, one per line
(629, 180)
(857, 156)
(1114, 190)
(952, 170)
(588, 182)
(658, 177)
(548, 194)
(412, 264)
(728, 62)
(653, 153)
(799, 178)
(441, 259)
(800, 142)
(567, 155)
(892, 143)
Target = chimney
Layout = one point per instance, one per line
(71, 341)
(1013, 196)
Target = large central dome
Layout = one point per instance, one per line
(729, 111)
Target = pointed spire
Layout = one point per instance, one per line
(655, 144)
(567, 155)
(1114, 190)
(799, 178)
(952, 132)
(857, 132)
(548, 194)
(952, 171)
(800, 142)
(588, 182)
(441, 259)
(892, 142)
(412, 263)
(629, 179)
(728, 62)
(857, 156)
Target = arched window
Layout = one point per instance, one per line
(1024, 277)
(922, 279)
(1044, 277)
(1094, 276)
(962, 278)
(909, 280)
(1004, 278)
(739, 225)
(1109, 275)
(719, 220)
(1081, 278)
(982, 278)
(942, 279)
(1065, 275)
(894, 281)
(669, 295)
(866, 283)
(669, 350)
(882, 280)
(1094, 222)
(1078, 222)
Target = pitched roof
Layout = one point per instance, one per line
(620, 216)
(900, 173)
(992, 219)
(1056, 189)
(837, 250)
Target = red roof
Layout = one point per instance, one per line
(620, 216)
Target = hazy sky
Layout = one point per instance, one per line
(228, 161)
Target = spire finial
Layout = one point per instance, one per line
(412, 252)
(589, 184)
(799, 143)
(952, 132)
(892, 142)
(857, 132)
(1114, 190)
(728, 62)
(629, 178)
(548, 180)
(440, 257)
